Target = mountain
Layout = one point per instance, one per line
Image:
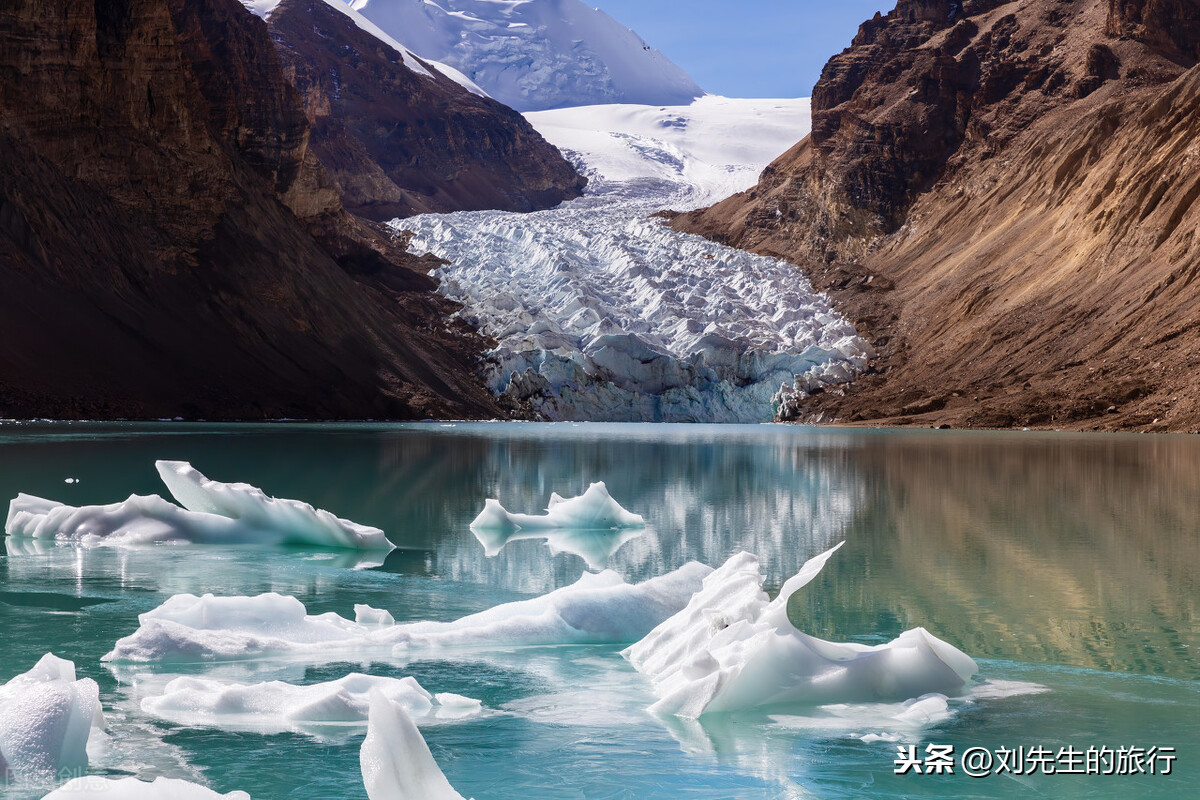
(535, 54)
(399, 135)
(171, 245)
(1006, 205)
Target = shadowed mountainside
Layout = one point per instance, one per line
(170, 244)
(1006, 206)
(398, 143)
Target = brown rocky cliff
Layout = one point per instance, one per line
(398, 142)
(1007, 206)
(149, 263)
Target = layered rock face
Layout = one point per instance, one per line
(1007, 205)
(169, 244)
(398, 142)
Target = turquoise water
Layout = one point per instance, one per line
(1065, 564)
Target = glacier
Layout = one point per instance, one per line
(213, 513)
(395, 760)
(534, 54)
(601, 312)
(733, 649)
(47, 718)
(598, 608)
(134, 789)
(277, 706)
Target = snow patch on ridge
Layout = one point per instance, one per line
(263, 9)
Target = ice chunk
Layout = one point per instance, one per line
(593, 510)
(732, 649)
(296, 522)
(598, 608)
(396, 762)
(365, 615)
(594, 547)
(279, 706)
(46, 718)
(133, 789)
(214, 513)
(138, 520)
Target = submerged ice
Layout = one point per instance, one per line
(46, 720)
(732, 649)
(598, 608)
(212, 513)
(134, 789)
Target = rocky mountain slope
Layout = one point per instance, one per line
(170, 244)
(536, 54)
(1006, 205)
(399, 137)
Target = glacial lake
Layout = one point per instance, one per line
(1067, 565)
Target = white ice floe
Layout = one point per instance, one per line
(133, 789)
(46, 720)
(293, 521)
(395, 760)
(598, 608)
(593, 510)
(214, 513)
(278, 706)
(732, 649)
(603, 313)
(595, 547)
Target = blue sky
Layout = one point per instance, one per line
(747, 48)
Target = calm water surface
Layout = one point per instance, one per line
(1065, 564)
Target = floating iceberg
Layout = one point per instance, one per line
(732, 649)
(214, 513)
(279, 706)
(593, 510)
(133, 789)
(396, 762)
(293, 521)
(46, 719)
(136, 521)
(597, 608)
(594, 547)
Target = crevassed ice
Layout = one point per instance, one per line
(278, 706)
(733, 649)
(134, 789)
(46, 720)
(598, 608)
(603, 313)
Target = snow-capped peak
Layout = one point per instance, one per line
(535, 54)
(263, 8)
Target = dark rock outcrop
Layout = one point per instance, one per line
(1007, 208)
(170, 246)
(398, 142)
